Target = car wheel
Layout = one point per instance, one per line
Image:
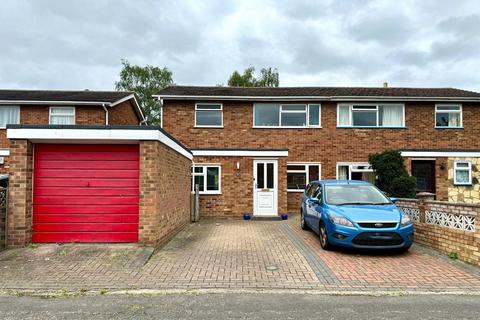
(323, 235)
(303, 224)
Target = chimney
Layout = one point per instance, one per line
(385, 84)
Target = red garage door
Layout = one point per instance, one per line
(85, 193)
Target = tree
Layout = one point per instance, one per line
(145, 82)
(392, 176)
(268, 78)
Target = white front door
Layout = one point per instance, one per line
(265, 187)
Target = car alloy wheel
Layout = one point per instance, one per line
(322, 232)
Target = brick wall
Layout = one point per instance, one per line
(20, 193)
(164, 192)
(442, 226)
(328, 144)
(123, 114)
(237, 190)
(294, 200)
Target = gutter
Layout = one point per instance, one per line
(316, 98)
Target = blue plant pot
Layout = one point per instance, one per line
(284, 216)
(246, 216)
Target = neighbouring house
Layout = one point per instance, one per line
(53, 107)
(82, 169)
(255, 149)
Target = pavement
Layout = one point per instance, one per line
(241, 306)
(232, 255)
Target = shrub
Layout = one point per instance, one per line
(404, 187)
(392, 176)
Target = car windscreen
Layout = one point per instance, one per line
(354, 194)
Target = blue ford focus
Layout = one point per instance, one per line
(354, 214)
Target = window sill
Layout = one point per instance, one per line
(210, 193)
(342, 127)
(458, 128)
(295, 190)
(463, 184)
(209, 127)
(285, 127)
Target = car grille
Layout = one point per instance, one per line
(377, 225)
(378, 239)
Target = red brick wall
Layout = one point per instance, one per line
(123, 114)
(327, 145)
(237, 191)
(20, 194)
(164, 192)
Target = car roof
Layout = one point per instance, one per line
(343, 182)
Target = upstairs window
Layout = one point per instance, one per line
(207, 177)
(448, 116)
(62, 115)
(355, 171)
(371, 115)
(286, 115)
(462, 173)
(209, 115)
(9, 115)
(299, 175)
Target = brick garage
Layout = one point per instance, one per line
(164, 178)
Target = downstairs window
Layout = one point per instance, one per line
(355, 171)
(207, 177)
(301, 174)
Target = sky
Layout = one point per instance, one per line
(79, 44)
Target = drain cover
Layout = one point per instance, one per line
(271, 268)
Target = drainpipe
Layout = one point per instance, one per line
(106, 114)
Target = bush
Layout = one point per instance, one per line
(404, 187)
(392, 176)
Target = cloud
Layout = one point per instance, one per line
(79, 44)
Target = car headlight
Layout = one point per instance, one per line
(340, 220)
(405, 221)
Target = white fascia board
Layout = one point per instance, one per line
(135, 102)
(440, 154)
(92, 135)
(317, 98)
(240, 153)
(4, 152)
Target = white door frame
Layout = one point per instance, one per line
(275, 186)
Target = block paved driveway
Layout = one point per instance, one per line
(232, 255)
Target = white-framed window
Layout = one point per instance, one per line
(355, 171)
(209, 115)
(208, 178)
(299, 175)
(62, 115)
(9, 115)
(298, 115)
(448, 116)
(371, 115)
(462, 171)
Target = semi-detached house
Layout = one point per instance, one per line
(255, 149)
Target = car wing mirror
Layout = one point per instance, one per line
(393, 199)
